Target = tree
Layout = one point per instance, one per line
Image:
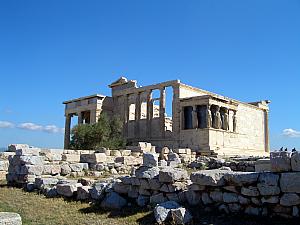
(107, 132)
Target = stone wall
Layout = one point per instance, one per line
(274, 193)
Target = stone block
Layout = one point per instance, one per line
(125, 152)
(83, 193)
(9, 218)
(67, 189)
(157, 199)
(270, 199)
(121, 188)
(250, 191)
(268, 184)
(241, 178)
(290, 182)
(52, 169)
(289, 199)
(4, 165)
(28, 151)
(65, 169)
(216, 196)
(31, 159)
(209, 177)
(150, 159)
(146, 172)
(45, 181)
(129, 160)
(6, 155)
(280, 161)
(154, 184)
(79, 167)
(170, 175)
(230, 197)
(142, 200)
(115, 153)
(32, 170)
(192, 197)
(14, 147)
(295, 161)
(263, 165)
(98, 190)
(71, 157)
(113, 201)
(93, 158)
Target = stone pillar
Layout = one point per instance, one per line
(126, 115)
(67, 131)
(225, 123)
(137, 115)
(208, 117)
(217, 123)
(80, 119)
(195, 117)
(149, 113)
(162, 111)
(177, 116)
(93, 116)
(234, 121)
(267, 140)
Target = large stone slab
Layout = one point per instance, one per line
(28, 151)
(209, 177)
(268, 184)
(4, 165)
(290, 182)
(9, 218)
(295, 161)
(93, 158)
(289, 199)
(68, 189)
(150, 159)
(146, 172)
(45, 181)
(241, 178)
(78, 167)
(71, 157)
(280, 161)
(31, 160)
(170, 175)
(52, 169)
(32, 170)
(113, 201)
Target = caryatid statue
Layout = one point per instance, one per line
(225, 124)
(234, 121)
(208, 117)
(218, 120)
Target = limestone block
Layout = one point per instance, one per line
(263, 165)
(157, 198)
(290, 182)
(113, 201)
(144, 183)
(32, 170)
(216, 196)
(65, 169)
(192, 197)
(6, 155)
(125, 152)
(14, 147)
(129, 160)
(170, 175)
(4, 165)
(209, 177)
(45, 181)
(31, 160)
(295, 161)
(9, 218)
(289, 199)
(150, 159)
(142, 200)
(241, 178)
(146, 172)
(3, 175)
(250, 191)
(71, 157)
(93, 158)
(121, 188)
(268, 184)
(280, 161)
(154, 184)
(52, 169)
(83, 193)
(230, 197)
(78, 167)
(28, 151)
(67, 189)
(243, 200)
(196, 187)
(98, 190)
(163, 211)
(115, 153)
(143, 191)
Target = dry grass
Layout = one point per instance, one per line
(36, 209)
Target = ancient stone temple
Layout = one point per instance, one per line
(201, 120)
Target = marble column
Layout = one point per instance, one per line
(149, 113)
(194, 118)
(234, 121)
(126, 115)
(137, 115)
(67, 131)
(162, 111)
(267, 140)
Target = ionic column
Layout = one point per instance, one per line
(67, 131)
(126, 115)
(194, 118)
(234, 121)
(137, 114)
(149, 113)
(80, 119)
(162, 111)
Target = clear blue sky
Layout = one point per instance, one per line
(51, 51)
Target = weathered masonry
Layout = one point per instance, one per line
(201, 120)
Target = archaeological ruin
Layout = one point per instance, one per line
(203, 121)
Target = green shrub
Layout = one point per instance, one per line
(107, 132)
